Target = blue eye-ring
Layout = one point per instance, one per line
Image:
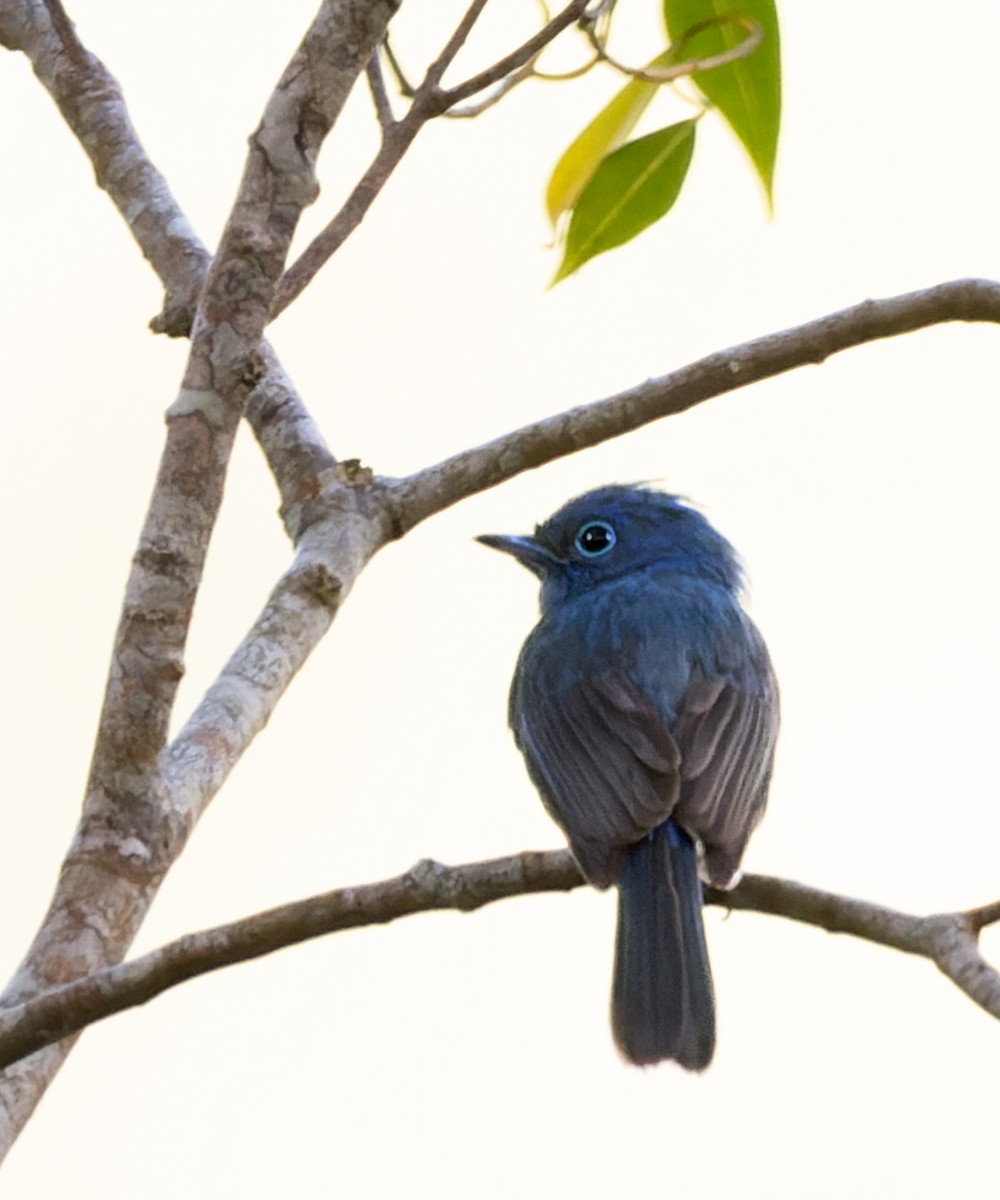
(595, 538)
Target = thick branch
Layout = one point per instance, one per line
(278, 182)
(435, 488)
(134, 825)
(947, 939)
(298, 613)
(296, 451)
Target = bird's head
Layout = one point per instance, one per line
(617, 530)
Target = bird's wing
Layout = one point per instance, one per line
(726, 729)
(604, 762)
(611, 764)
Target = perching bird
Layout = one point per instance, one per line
(646, 710)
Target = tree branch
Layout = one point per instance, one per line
(330, 556)
(131, 829)
(429, 101)
(511, 63)
(948, 939)
(429, 491)
(753, 36)
(396, 140)
(90, 100)
(296, 452)
(380, 97)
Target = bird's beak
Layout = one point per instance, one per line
(528, 552)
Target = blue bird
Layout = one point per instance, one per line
(646, 709)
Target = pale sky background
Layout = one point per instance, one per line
(465, 1056)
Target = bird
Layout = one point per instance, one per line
(646, 708)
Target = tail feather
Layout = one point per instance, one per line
(662, 1000)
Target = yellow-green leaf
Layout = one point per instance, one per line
(631, 189)
(606, 132)
(746, 92)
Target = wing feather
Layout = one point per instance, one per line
(612, 763)
(727, 750)
(605, 764)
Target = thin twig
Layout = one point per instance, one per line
(468, 111)
(428, 101)
(524, 53)
(742, 49)
(406, 89)
(325, 244)
(380, 97)
(435, 72)
(563, 76)
(396, 140)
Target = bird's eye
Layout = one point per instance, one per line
(594, 539)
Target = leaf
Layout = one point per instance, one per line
(606, 132)
(631, 189)
(746, 92)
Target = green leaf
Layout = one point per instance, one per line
(747, 92)
(606, 132)
(633, 187)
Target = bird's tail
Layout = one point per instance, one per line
(662, 1001)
